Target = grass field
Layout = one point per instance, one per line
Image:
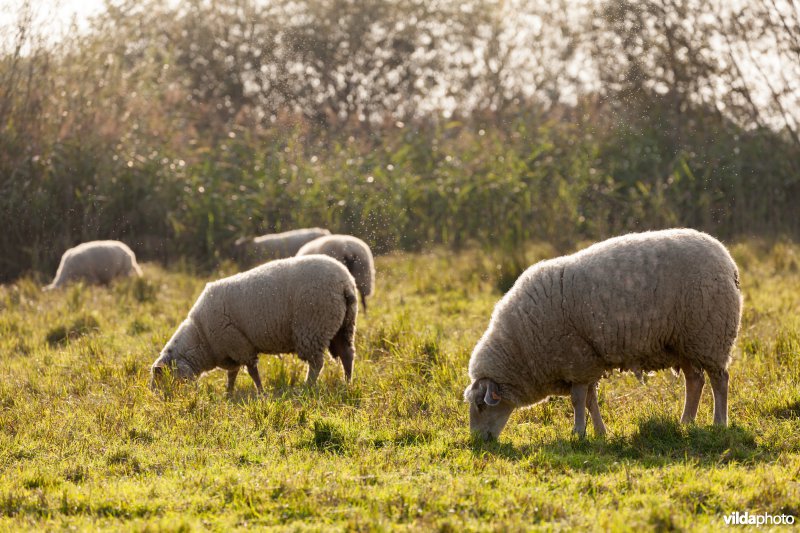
(84, 443)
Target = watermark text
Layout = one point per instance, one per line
(764, 519)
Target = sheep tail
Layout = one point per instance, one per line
(343, 343)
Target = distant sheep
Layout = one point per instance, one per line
(640, 302)
(353, 253)
(249, 251)
(95, 262)
(302, 305)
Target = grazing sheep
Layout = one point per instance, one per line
(353, 253)
(302, 305)
(95, 262)
(249, 251)
(640, 302)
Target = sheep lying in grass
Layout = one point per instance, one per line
(641, 302)
(95, 262)
(353, 253)
(302, 305)
(249, 251)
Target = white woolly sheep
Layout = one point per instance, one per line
(353, 253)
(302, 305)
(250, 251)
(96, 262)
(640, 302)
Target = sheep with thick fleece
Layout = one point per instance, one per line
(353, 253)
(640, 302)
(250, 251)
(299, 305)
(96, 262)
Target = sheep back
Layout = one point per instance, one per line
(352, 252)
(96, 262)
(251, 251)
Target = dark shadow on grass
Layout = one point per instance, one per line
(657, 441)
(340, 393)
(789, 411)
(79, 327)
(328, 436)
(402, 438)
(498, 447)
(666, 438)
(243, 395)
(246, 395)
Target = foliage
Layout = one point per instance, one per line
(180, 129)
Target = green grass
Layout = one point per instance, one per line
(84, 443)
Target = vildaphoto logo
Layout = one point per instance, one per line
(746, 519)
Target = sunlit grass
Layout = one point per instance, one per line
(84, 443)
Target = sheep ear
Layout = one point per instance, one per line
(483, 391)
(474, 392)
(492, 397)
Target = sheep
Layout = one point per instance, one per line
(353, 253)
(95, 262)
(249, 251)
(640, 302)
(300, 304)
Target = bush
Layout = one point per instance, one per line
(180, 145)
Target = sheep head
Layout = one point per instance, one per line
(169, 367)
(174, 359)
(488, 410)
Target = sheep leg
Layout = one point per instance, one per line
(252, 369)
(594, 410)
(719, 384)
(694, 389)
(342, 349)
(232, 379)
(578, 394)
(315, 363)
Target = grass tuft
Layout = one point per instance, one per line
(789, 411)
(328, 436)
(80, 327)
